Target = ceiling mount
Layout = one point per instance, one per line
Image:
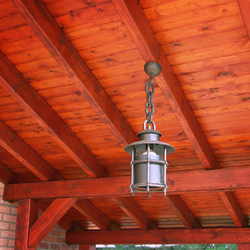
(152, 68)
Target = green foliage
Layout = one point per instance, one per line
(174, 247)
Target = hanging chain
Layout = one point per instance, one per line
(149, 107)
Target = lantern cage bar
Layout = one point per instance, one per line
(149, 162)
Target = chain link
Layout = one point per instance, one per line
(149, 107)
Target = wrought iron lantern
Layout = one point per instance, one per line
(149, 155)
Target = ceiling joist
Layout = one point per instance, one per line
(31, 101)
(150, 48)
(245, 8)
(86, 208)
(28, 157)
(69, 59)
(7, 176)
(234, 209)
(181, 211)
(35, 105)
(129, 206)
(57, 43)
(143, 35)
(20, 150)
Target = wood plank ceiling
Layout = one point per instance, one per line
(72, 96)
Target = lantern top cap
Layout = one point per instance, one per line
(149, 136)
(149, 131)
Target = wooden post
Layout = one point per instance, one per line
(27, 214)
(87, 247)
(49, 219)
(243, 246)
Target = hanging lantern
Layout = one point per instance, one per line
(149, 155)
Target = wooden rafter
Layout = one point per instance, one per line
(162, 236)
(49, 219)
(7, 176)
(86, 208)
(181, 210)
(178, 182)
(143, 35)
(129, 206)
(57, 43)
(33, 103)
(21, 151)
(234, 209)
(245, 8)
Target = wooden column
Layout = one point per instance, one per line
(29, 229)
(243, 246)
(87, 247)
(49, 219)
(27, 214)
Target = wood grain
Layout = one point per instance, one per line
(27, 213)
(149, 46)
(234, 209)
(161, 236)
(182, 211)
(49, 219)
(48, 119)
(178, 182)
(72, 63)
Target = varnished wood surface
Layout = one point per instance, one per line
(167, 236)
(207, 46)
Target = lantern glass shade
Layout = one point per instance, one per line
(149, 162)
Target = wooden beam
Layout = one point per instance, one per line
(35, 105)
(57, 43)
(234, 209)
(49, 219)
(86, 208)
(162, 236)
(181, 210)
(21, 151)
(243, 246)
(143, 35)
(245, 8)
(7, 176)
(26, 95)
(65, 222)
(178, 182)
(27, 212)
(38, 17)
(129, 206)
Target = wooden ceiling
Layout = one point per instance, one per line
(72, 96)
